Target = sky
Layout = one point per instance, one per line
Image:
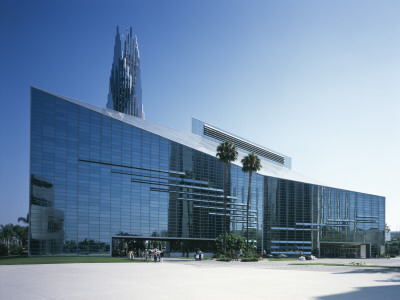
(316, 80)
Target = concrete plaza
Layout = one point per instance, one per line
(188, 279)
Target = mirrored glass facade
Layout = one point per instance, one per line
(97, 174)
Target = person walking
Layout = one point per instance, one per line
(198, 256)
(162, 255)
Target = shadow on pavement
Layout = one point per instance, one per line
(394, 279)
(371, 270)
(377, 292)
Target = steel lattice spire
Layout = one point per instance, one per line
(125, 93)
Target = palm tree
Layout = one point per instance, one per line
(24, 220)
(226, 152)
(251, 163)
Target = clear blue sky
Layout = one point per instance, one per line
(316, 80)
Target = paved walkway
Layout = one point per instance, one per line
(188, 279)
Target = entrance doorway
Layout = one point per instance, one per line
(173, 247)
(344, 250)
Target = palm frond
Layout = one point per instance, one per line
(251, 163)
(226, 152)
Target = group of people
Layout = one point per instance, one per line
(236, 255)
(155, 254)
(147, 255)
(199, 255)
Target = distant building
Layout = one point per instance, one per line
(100, 179)
(125, 91)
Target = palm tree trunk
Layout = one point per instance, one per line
(248, 206)
(225, 200)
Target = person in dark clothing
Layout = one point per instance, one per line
(162, 256)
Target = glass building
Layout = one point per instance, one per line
(100, 178)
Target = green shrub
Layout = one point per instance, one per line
(3, 250)
(224, 257)
(16, 249)
(250, 257)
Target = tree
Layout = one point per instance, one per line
(7, 234)
(14, 238)
(21, 234)
(24, 220)
(251, 163)
(393, 248)
(233, 243)
(226, 152)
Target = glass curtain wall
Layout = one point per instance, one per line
(93, 177)
(300, 217)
